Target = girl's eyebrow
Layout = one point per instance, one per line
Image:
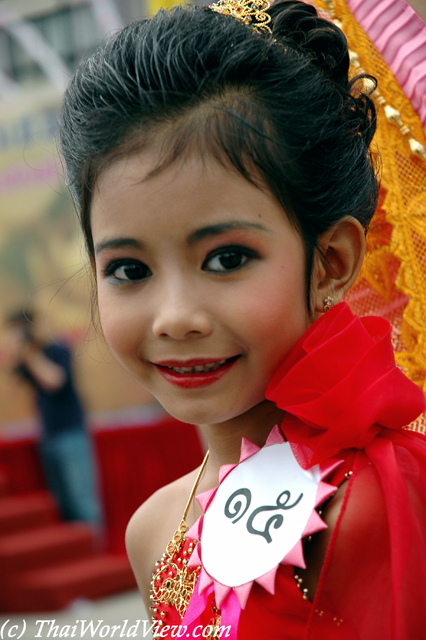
(117, 243)
(217, 229)
(195, 236)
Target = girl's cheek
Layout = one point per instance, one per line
(114, 327)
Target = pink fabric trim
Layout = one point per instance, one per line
(399, 34)
(196, 607)
(230, 615)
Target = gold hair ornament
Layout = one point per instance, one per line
(251, 12)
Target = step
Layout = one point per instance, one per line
(45, 546)
(56, 587)
(4, 482)
(26, 511)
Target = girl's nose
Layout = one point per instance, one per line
(181, 315)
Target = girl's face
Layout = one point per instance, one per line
(201, 283)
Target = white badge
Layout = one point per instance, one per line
(257, 516)
(256, 519)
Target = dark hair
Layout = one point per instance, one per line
(24, 320)
(278, 108)
(22, 317)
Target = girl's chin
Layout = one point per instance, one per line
(191, 417)
(205, 415)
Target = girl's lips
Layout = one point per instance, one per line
(209, 371)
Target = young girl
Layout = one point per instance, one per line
(220, 163)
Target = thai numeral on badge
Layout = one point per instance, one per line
(234, 509)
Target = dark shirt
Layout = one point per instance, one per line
(60, 410)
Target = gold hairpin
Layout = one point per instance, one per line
(250, 12)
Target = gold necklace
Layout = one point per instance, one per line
(173, 581)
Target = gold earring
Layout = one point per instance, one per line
(328, 303)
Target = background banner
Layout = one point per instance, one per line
(42, 262)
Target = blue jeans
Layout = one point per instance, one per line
(68, 464)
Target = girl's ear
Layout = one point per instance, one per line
(337, 261)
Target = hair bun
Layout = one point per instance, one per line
(298, 24)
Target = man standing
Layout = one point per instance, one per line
(65, 446)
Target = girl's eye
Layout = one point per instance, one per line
(228, 259)
(124, 271)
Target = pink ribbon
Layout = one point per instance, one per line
(230, 615)
(230, 612)
(197, 605)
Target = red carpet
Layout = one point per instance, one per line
(26, 511)
(55, 587)
(45, 564)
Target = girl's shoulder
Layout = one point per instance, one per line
(152, 526)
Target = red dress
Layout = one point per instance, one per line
(345, 398)
(261, 608)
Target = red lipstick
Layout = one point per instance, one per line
(193, 380)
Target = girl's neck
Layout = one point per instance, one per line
(224, 440)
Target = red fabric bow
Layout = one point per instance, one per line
(340, 385)
(342, 392)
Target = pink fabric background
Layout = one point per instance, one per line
(399, 34)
